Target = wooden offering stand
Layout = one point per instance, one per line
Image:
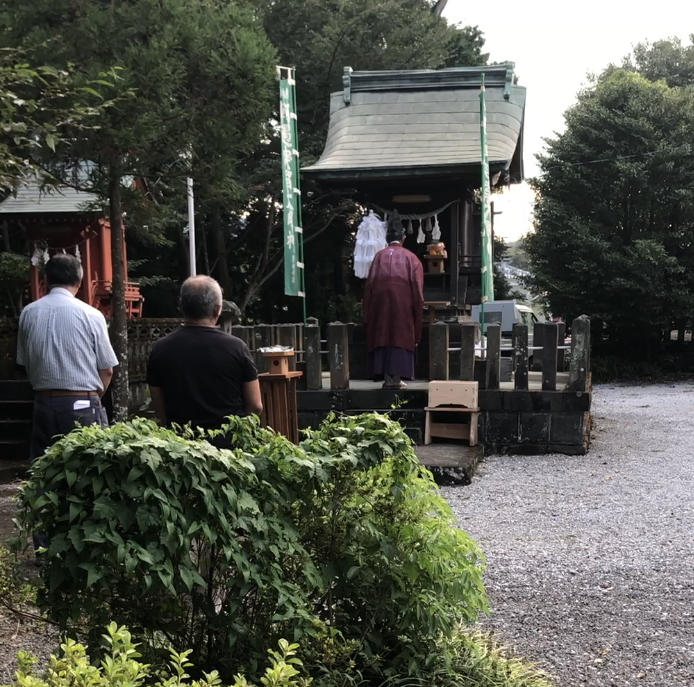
(435, 257)
(278, 391)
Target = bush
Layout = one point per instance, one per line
(120, 668)
(343, 543)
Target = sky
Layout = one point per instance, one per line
(555, 45)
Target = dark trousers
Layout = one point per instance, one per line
(55, 416)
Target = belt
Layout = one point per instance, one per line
(65, 392)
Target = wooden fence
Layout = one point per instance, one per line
(548, 354)
(453, 351)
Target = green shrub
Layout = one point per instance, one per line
(343, 543)
(15, 591)
(475, 659)
(120, 668)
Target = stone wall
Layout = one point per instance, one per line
(522, 422)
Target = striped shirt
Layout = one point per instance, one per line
(63, 343)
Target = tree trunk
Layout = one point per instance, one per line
(205, 254)
(6, 238)
(221, 268)
(120, 392)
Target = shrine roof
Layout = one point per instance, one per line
(31, 199)
(408, 123)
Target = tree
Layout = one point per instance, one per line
(202, 73)
(667, 59)
(503, 290)
(38, 107)
(614, 219)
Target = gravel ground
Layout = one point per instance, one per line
(590, 559)
(17, 633)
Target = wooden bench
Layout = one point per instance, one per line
(460, 398)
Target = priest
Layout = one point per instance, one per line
(393, 309)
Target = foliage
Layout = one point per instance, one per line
(14, 278)
(343, 543)
(15, 592)
(666, 59)
(475, 659)
(615, 214)
(120, 667)
(39, 107)
(503, 290)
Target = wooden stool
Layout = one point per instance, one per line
(278, 391)
(452, 397)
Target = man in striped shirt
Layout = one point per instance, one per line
(63, 344)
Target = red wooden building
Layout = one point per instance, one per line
(66, 220)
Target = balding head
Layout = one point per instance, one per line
(201, 299)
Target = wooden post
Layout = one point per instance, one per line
(549, 356)
(493, 356)
(520, 356)
(300, 342)
(538, 343)
(338, 355)
(561, 353)
(438, 351)
(580, 355)
(454, 260)
(312, 356)
(243, 333)
(468, 337)
(287, 337)
(263, 339)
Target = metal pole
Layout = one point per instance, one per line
(191, 226)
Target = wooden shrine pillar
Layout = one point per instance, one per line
(454, 256)
(106, 273)
(87, 279)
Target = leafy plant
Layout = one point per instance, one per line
(15, 591)
(343, 543)
(120, 667)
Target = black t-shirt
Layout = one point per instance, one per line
(201, 372)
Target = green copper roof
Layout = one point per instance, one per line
(408, 123)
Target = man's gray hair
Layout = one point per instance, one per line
(201, 296)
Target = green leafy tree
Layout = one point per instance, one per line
(614, 219)
(668, 59)
(39, 106)
(201, 72)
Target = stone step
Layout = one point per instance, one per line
(16, 410)
(15, 390)
(13, 450)
(15, 428)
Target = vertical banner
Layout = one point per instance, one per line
(486, 211)
(291, 196)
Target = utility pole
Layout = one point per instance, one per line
(191, 226)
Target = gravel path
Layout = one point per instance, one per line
(591, 559)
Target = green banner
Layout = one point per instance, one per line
(486, 208)
(291, 196)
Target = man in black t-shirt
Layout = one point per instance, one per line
(199, 374)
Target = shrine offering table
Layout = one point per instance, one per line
(278, 392)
